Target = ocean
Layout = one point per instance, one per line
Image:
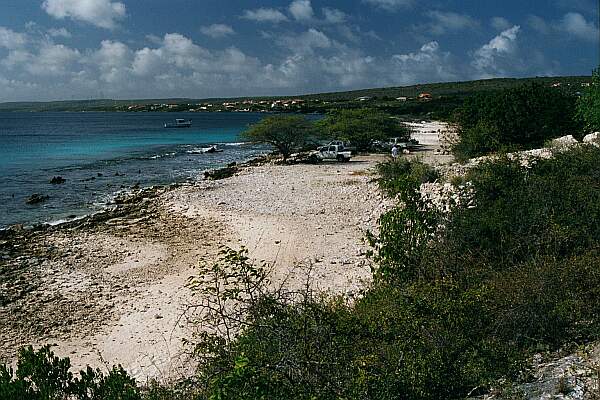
(102, 154)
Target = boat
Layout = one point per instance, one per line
(180, 123)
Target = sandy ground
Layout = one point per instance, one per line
(112, 291)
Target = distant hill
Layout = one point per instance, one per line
(455, 89)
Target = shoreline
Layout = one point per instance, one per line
(124, 195)
(110, 286)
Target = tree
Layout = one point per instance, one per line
(588, 106)
(361, 127)
(286, 133)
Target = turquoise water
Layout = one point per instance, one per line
(100, 154)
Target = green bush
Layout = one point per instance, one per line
(402, 177)
(588, 106)
(514, 119)
(550, 209)
(41, 375)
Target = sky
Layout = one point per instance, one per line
(133, 49)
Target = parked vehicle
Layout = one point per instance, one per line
(346, 146)
(411, 144)
(331, 152)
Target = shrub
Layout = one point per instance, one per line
(588, 106)
(525, 259)
(42, 375)
(514, 119)
(520, 213)
(403, 177)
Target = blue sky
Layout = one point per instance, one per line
(81, 49)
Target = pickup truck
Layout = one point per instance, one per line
(331, 152)
(346, 146)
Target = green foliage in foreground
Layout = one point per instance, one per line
(514, 119)
(402, 176)
(41, 375)
(588, 107)
(361, 127)
(287, 133)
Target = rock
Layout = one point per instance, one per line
(564, 141)
(220, 173)
(592, 138)
(36, 198)
(57, 180)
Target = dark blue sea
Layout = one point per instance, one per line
(102, 154)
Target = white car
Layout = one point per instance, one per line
(331, 152)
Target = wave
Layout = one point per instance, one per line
(157, 156)
(65, 220)
(233, 144)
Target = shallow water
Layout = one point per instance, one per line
(100, 154)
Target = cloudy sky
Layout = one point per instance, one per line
(81, 49)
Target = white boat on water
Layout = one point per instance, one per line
(180, 123)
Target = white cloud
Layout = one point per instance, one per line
(334, 16)
(538, 24)
(306, 42)
(59, 32)
(576, 25)
(217, 30)
(113, 60)
(427, 64)
(10, 39)
(390, 5)
(53, 60)
(491, 58)
(101, 13)
(301, 10)
(265, 15)
(448, 21)
(500, 23)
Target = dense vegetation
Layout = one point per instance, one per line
(514, 119)
(362, 127)
(589, 104)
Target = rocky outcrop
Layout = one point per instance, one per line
(37, 198)
(564, 141)
(592, 138)
(220, 173)
(555, 376)
(57, 180)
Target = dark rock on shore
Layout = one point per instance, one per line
(220, 173)
(57, 180)
(37, 198)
